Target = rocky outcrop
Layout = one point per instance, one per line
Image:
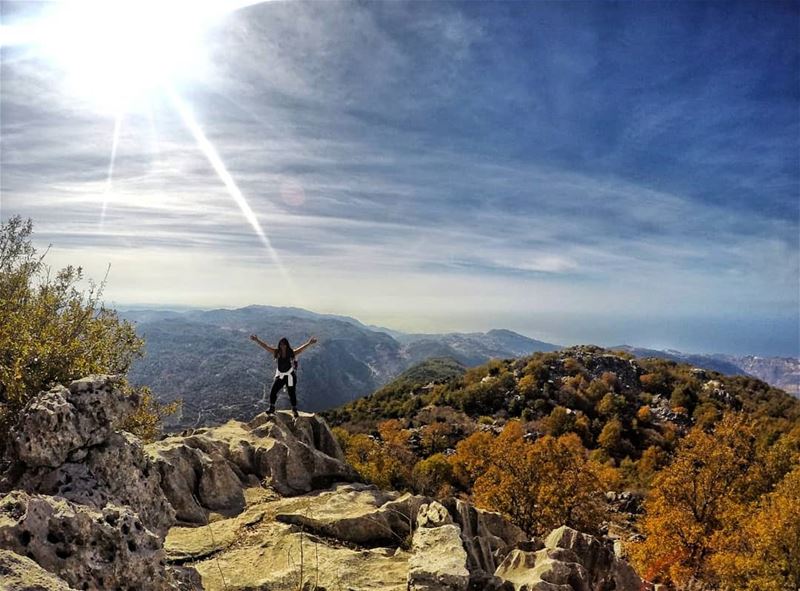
(268, 547)
(64, 444)
(87, 548)
(359, 514)
(207, 469)
(84, 501)
(438, 561)
(569, 561)
(62, 424)
(487, 536)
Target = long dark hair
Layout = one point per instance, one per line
(289, 350)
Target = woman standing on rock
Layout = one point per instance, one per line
(286, 374)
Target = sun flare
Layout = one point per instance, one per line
(119, 53)
(116, 52)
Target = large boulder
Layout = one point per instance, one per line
(606, 569)
(86, 547)
(116, 471)
(438, 559)
(61, 424)
(207, 469)
(569, 561)
(64, 444)
(20, 573)
(85, 502)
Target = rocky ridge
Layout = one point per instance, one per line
(269, 504)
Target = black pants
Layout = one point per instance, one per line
(280, 383)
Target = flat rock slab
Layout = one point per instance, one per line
(254, 551)
(195, 543)
(277, 563)
(19, 573)
(358, 514)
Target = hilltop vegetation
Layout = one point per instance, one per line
(551, 438)
(53, 332)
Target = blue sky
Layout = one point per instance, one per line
(577, 171)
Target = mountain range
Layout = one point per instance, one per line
(205, 358)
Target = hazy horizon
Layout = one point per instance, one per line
(571, 334)
(608, 173)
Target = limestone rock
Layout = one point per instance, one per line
(487, 536)
(99, 549)
(207, 469)
(590, 552)
(219, 487)
(20, 573)
(517, 568)
(58, 424)
(115, 471)
(438, 561)
(569, 561)
(64, 444)
(357, 513)
(178, 466)
(433, 515)
(184, 578)
(606, 569)
(274, 562)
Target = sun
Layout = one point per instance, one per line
(117, 53)
(120, 53)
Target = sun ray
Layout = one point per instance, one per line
(222, 172)
(111, 161)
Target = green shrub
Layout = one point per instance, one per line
(51, 332)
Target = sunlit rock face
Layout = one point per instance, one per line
(106, 548)
(569, 560)
(20, 573)
(207, 470)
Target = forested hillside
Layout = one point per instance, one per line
(674, 461)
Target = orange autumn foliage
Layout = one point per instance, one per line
(714, 517)
(539, 485)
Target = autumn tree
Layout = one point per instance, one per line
(146, 419)
(436, 437)
(433, 476)
(528, 386)
(644, 415)
(560, 421)
(611, 435)
(611, 404)
(653, 458)
(762, 552)
(386, 461)
(538, 485)
(692, 499)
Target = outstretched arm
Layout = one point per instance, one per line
(305, 345)
(261, 343)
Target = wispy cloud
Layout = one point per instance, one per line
(415, 162)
